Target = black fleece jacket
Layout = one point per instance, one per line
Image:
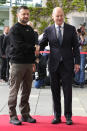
(22, 44)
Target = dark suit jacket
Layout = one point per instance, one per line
(69, 50)
(1, 44)
(6, 46)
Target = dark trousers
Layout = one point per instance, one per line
(3, 68)
(7, 69)
(64, 76)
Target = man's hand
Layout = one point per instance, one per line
(34, 67)
(37, 51)
(76, 68)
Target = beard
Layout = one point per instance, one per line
(24, 21)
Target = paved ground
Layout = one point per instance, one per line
(41, 101)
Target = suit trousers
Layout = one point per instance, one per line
(61, 76)
(3, 68)
(20, 78)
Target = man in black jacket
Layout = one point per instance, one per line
(64, 49)
(22, 58)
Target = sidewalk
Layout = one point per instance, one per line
(41, 101)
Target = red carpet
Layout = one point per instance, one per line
(44, 124)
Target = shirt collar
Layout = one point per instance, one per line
(62, 26)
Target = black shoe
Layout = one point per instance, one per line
(68, 121)
(75, 84)
(56, 121)
(15, 121)
(28, 118)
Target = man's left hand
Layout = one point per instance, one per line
(34, 67)
(76, 68)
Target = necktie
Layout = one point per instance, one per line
(59, 35)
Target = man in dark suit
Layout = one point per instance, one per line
(2, 56)
(6, 47)
(64, 53)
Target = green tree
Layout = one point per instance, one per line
(41, 17)
(2, 1)
(1, 22)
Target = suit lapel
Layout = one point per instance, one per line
(64, 33)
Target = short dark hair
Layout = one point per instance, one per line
(22, 7)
